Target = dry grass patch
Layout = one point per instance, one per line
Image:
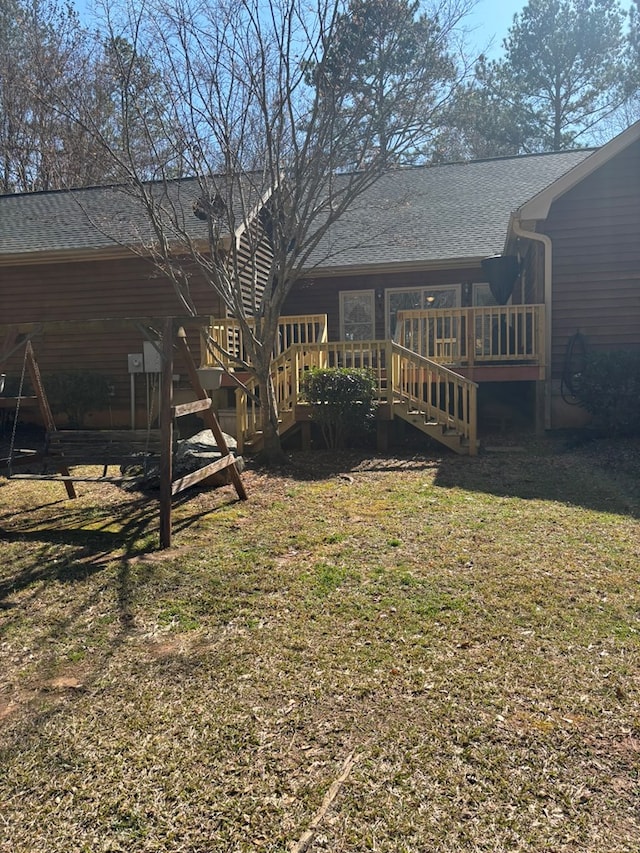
(466, 629)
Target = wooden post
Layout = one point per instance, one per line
(382, 436)
(305, 431)
(166, 434)
(45, 410)
(392, 379)
(473, 420)
(470, 341)
(208, 416)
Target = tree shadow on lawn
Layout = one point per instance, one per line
(59, 549)
(600, 476)
(66, 545)
(99, 529)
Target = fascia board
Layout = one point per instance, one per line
(538, 207)
(465, 263)
(254, 213)
(64, 256)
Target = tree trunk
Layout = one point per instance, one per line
(272, 446)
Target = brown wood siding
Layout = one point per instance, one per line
(78, 291)
(595, 230)
(322, 295)
(81, 291)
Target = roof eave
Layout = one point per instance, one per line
(101, 253)
(470, 263)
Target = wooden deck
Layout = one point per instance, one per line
(425, 377)
(488, 336)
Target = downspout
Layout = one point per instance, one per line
(548, 268)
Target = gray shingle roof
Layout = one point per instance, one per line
(421, 214)
(98, 218)
(429, 214)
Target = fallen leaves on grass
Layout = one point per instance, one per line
(468, 628)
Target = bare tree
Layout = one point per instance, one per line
(46, 55)
(237, 113)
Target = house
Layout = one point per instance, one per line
(462, 286)
(80, 274)
(409, 264)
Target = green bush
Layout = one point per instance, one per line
(75, 393)
(343, 402)
(609, 389)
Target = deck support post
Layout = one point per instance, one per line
(539, 404)
(305, 432)
(382, 436)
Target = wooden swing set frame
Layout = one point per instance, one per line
(67, 448)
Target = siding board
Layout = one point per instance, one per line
(595, 231)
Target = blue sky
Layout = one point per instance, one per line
(490, 20)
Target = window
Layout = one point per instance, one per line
(357, 315)
(446, 296)
(482, 295)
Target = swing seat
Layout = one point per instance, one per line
(102, 447)
(135, 449)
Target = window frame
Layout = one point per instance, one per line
(371, 294)
(422, 289)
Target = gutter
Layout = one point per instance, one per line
(545, 240)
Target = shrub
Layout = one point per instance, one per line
(343, 402)
(609, 389)
(77, 392)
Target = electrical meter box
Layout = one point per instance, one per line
(152, 357)
(136, 362)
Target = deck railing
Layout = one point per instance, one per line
(480, 335)
(462, 337)
(229, 345)
(412, 370)
(289, 367)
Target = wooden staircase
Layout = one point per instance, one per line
(441, 432)
(254, 442)
(439, 402)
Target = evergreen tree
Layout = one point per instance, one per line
(388, 71)
(564, 72)
(47, 60)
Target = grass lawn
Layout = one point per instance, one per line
(399, 654)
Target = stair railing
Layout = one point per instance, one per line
(435, 392)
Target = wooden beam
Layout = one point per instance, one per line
(208, 416)
(201, 474)
(12, 402)
(107, 324)
(166, 432)
(190, 408)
